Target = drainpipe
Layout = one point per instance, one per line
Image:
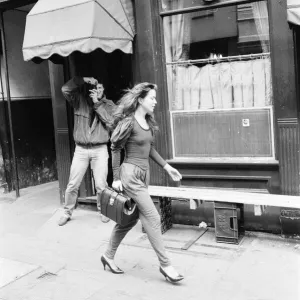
(4, 50)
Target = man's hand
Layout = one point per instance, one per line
(90, 80)
(94, 95)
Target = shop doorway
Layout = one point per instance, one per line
(114, 70)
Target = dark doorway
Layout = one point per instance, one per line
(114, 70)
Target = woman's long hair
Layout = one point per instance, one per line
(129, 103)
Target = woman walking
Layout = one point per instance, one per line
(135, 128)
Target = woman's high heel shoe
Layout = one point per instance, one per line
(106, 263)
(168, 277)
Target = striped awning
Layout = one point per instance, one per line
(60, 27)
(293, 11)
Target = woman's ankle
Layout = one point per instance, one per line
(166, 267)
(170, 270)
(108, 258)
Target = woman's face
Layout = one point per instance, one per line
(149, 102)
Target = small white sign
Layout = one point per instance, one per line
(246, 122)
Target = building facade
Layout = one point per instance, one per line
(228, 98)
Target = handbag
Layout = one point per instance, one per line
(117, 206)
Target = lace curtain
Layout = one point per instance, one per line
(238, 84)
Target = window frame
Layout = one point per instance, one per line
(229, 158)
(205, 7)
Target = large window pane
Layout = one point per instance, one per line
(219, 59)
(219, 81)
(178, 4)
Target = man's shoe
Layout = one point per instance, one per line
(63, 220)
(104, 219)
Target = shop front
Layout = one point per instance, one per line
(227, 107)
(229, 111)
(80, 38)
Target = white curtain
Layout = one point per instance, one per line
(260, 13)
(225, 85)
(206, 95)
(247, 86)
(237, 84)
(177, 41)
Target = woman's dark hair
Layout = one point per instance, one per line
(128, 104)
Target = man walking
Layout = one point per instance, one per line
(92, 122)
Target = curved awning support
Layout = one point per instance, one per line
(60, 27)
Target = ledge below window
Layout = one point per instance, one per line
(223, 161)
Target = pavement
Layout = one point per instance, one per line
(41, 261)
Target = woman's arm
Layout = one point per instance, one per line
(118, 141)
(173, 173)
(156, 157)
(116, 162)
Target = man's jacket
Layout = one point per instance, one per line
(88, 130)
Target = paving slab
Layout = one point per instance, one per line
(85, 229)
(11, 270)
(68, 266)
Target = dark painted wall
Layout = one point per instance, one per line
(27, 79)
(34, 141)
(32, 117)
(285, 98)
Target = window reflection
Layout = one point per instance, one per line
(177, 4)
(218, 59)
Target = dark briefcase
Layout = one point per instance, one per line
(117, 206)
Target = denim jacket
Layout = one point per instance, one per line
(85, 133)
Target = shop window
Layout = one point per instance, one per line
(219, 80)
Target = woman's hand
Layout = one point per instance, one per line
(117, 185)
(174, 174)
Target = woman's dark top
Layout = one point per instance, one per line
(138, 144)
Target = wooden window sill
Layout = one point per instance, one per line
(224, 161)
